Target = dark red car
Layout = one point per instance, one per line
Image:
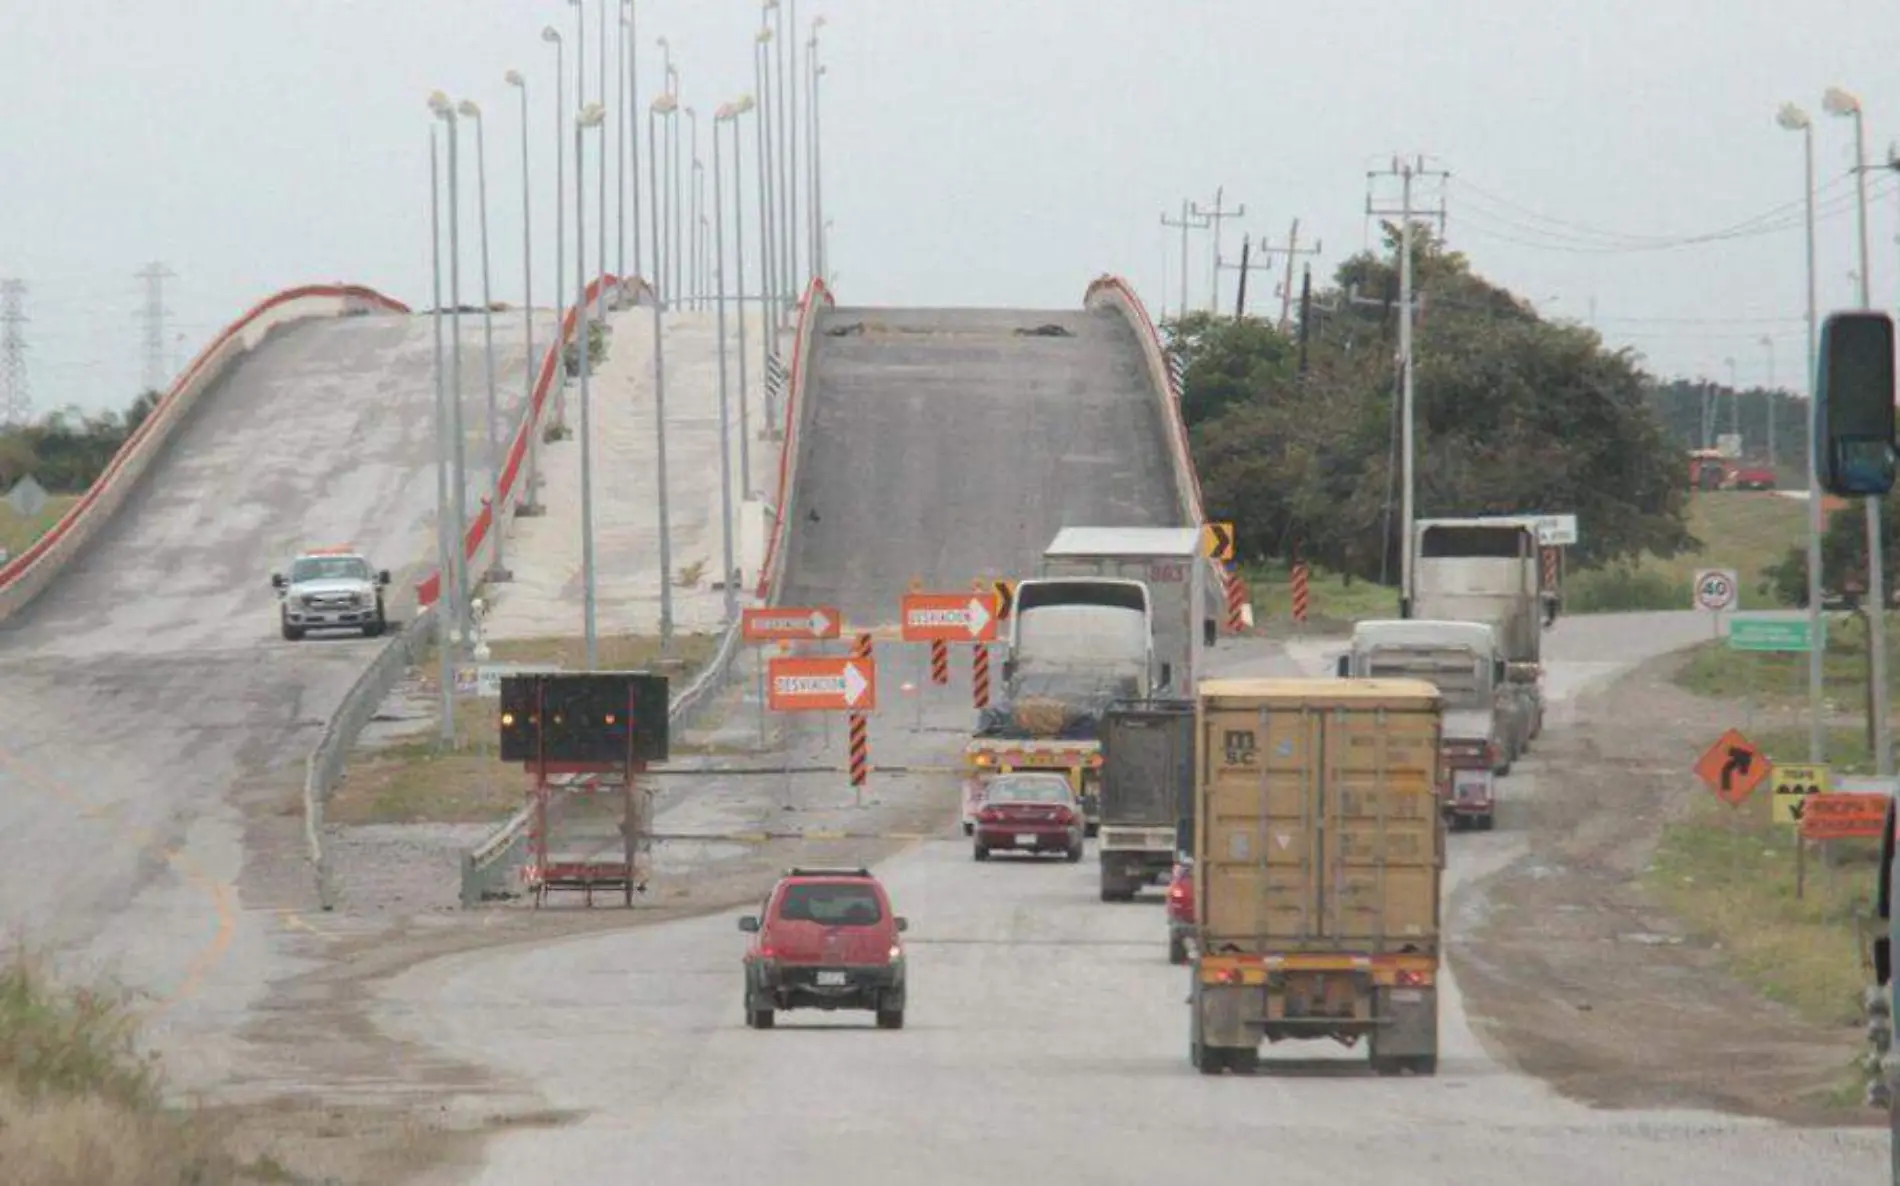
(1030, 813)
(1180, 910)
(825, 939)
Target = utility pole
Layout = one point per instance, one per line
(1214, 218)
(1291, 250)
(153, 314)
(1407, 171)
(1245, 266)
(16, 395)
(1187, 223)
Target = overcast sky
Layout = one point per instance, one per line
(988, 152)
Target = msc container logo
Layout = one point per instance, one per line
(1240, 747)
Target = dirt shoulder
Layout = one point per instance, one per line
(1573, 973)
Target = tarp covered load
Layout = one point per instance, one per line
(1063, 704)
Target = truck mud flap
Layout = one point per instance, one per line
(1406, 1036)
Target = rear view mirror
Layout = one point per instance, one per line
(1497, 671)
(1209, 631)
(1344, 666)
(749, 925)
(1167, 675)
(903, 924)
(382, 577)
(1854, 418)
(277, 580)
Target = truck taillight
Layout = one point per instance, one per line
(1407, 978)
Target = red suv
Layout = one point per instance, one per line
(826, 939)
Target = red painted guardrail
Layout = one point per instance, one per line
(430, 587)
(815, 292)
(80, 510)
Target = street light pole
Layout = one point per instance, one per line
(665, 105)
(590, 117)
(526, 505)
(724, 114)
(632, 116)
(552, 35)
(620, 142)
(788, 294)
(738, 287)
(1839, 102)
(768, 245)
(497, 569)
(695, 285)
(1795, 119)
(791, 159)
(1768, 344)
(444, 547)
(445, 111)
(817, 200)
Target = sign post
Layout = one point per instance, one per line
(1716, 592)
(1794, 788)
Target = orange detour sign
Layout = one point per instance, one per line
(831, 683)
(949, 617)
(1732, 767)
(1843, 815)
(783, 624)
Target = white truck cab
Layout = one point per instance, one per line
(331, 588)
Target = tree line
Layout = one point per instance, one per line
(66, 449)
(1295, 433)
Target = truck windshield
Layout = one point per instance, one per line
(1463, 681)
(329, 568)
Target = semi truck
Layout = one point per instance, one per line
(1168, 561)
(1147, 792)
(1489, 570)
(1486, 722)
(1319, 850)
(1076, 645)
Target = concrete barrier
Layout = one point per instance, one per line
(817, 297)
(1115, 293)
(27, 575)
(488, 865)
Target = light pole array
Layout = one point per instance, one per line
(445, 546)
(553, 36)
(526, 505)
(497, 570)
(817, 194)
(445, 111)
(770, 262)
(725, 114)
(734, 112)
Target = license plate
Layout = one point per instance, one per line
(831, 979)
(1026, 840)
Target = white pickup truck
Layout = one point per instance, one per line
(331, 588)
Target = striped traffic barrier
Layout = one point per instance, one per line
(980, 675)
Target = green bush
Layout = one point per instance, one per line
(1622, 590)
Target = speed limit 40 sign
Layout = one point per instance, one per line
(1716, 589)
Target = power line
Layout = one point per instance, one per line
(16, 393)
(153, 314)
(1187, 222)
(1214, 216)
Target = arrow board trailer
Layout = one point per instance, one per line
(1182, 598)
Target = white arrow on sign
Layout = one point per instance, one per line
(979, 616)
(820, 623)
(855, 685)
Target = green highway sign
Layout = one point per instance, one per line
(1763, 633)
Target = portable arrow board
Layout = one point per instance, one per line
(1716, 589)
(592, 717)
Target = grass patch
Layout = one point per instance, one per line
(1334, 601)
(18, 532)
(1730, 874)
(422, 781)
(1781, 680)
(1740, 529)
(79, 1106)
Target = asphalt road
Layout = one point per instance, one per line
(156, 722)
(1046, 1040)
(946, 446)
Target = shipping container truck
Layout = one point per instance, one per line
(1490, 570)
(1319, 851)
(1147, 792)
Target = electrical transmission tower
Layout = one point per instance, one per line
(16, 396)
(154, 314)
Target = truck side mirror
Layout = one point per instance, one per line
(1209, 631)
(1853, 404)
(1497, 672)
(1167, 675)
(1552, 602)
(1344, 666)
(382, 576)
(277, 580)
